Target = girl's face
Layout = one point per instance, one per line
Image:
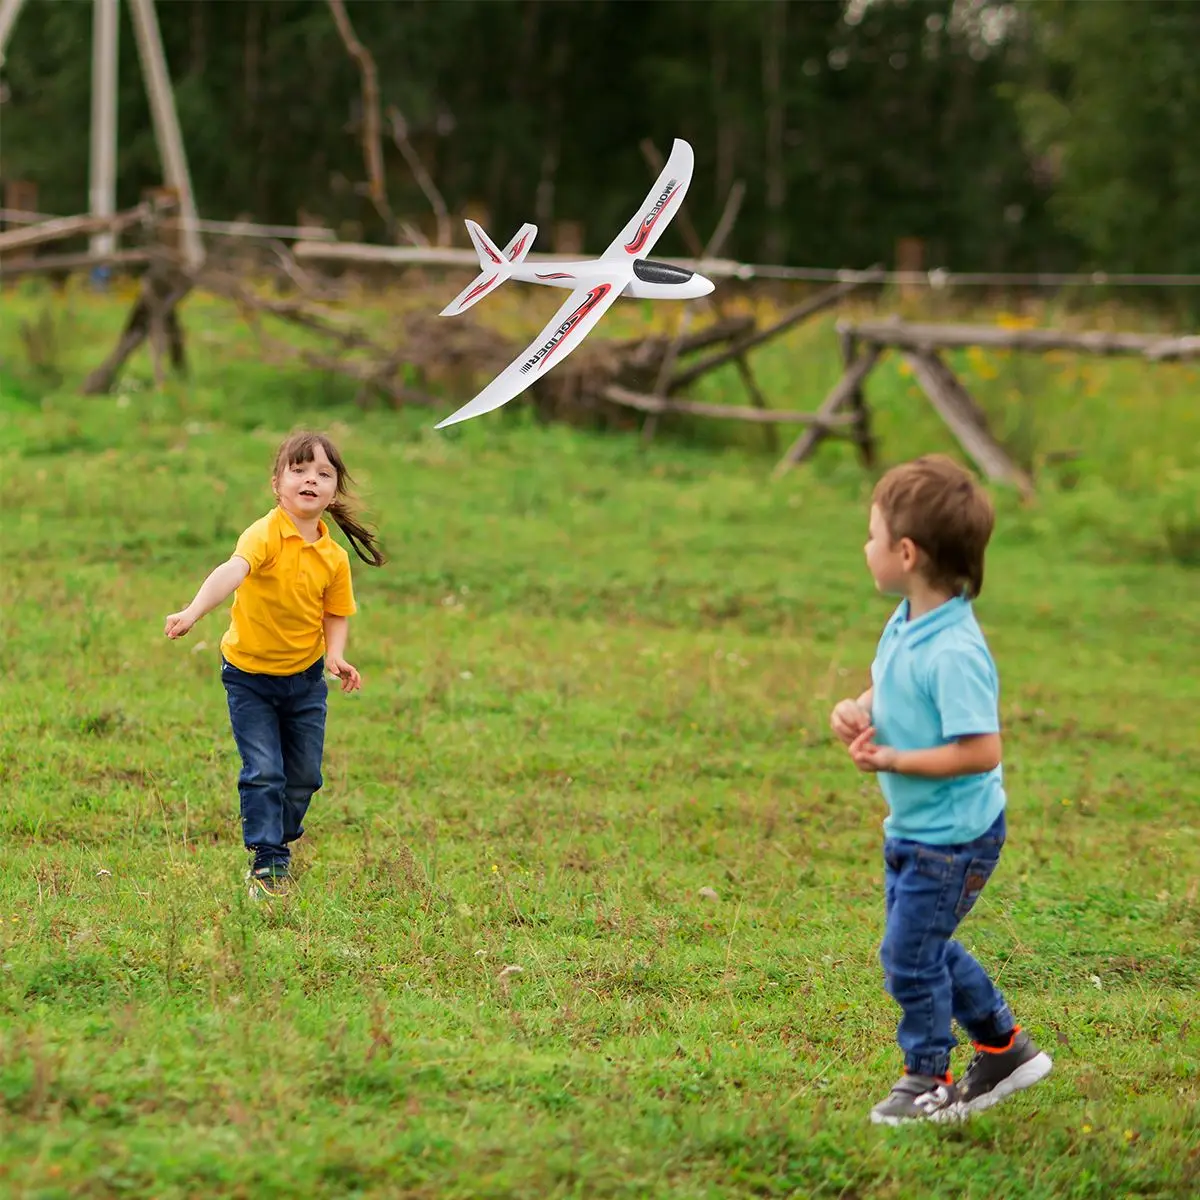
(307, 489)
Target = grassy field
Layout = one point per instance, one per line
(590, 903)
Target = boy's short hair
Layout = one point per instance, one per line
(939, 506)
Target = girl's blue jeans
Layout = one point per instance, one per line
(279, 726)
(929, 890)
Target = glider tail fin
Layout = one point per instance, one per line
(521, 243)
(496, 265)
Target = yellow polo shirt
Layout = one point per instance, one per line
(277, 623)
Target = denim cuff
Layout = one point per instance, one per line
(927, 1064)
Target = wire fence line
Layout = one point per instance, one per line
(936, 279)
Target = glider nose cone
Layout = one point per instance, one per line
(704, 285)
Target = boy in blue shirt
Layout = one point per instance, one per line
(929, 725)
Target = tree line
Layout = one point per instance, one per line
(1043, 135)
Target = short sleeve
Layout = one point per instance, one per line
(339, 595)
(966, 691)
(252, 545)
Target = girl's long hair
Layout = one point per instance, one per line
(298, 448)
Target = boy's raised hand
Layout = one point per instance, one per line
(868, 756)
(848, 720)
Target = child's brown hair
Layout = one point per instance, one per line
(298, 448)
(946, 514)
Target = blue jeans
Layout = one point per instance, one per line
(929, 890)
(279, 726)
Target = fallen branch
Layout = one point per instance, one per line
(293, 311)
(66, 264)
(728, 412)
(368, 377)
(295, 272)
(710, 335)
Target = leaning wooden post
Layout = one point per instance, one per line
(165, 120)
(837, 398)
(964, 418)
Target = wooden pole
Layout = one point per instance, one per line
(842, 391)
(858, 402)
(61, 228)
(166, 124)
(9, 11)
(964, 418)
(921, 338)
(102, 187)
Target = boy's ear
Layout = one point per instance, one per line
(909, 554)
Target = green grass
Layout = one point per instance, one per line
(596, 681)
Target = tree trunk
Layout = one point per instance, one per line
(775, 33)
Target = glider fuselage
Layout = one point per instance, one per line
(650, 280)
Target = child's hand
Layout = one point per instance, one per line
(868, 756)
(351, 680)
(848, 720)
(178, 624)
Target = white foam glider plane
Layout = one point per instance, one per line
(622, 270)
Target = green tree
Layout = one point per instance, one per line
(1109, 104)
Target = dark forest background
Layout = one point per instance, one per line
(1043, 135)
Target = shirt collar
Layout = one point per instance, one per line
(953, 612)
(288, 527)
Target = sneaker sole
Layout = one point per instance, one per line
(1025, 1076)
(942, 1114)
(938, 1114)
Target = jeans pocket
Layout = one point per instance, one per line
(978, 872)
(933, 864)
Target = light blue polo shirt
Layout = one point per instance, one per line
(935, 682)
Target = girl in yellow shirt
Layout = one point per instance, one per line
(288, 625)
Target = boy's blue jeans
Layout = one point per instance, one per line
(279, 726)
(929, 890)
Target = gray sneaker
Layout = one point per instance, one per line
(995, 1074)
(916, 1098)
(267, 881)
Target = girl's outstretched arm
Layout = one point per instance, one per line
(216, 589)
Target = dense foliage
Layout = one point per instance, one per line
(998, 133)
